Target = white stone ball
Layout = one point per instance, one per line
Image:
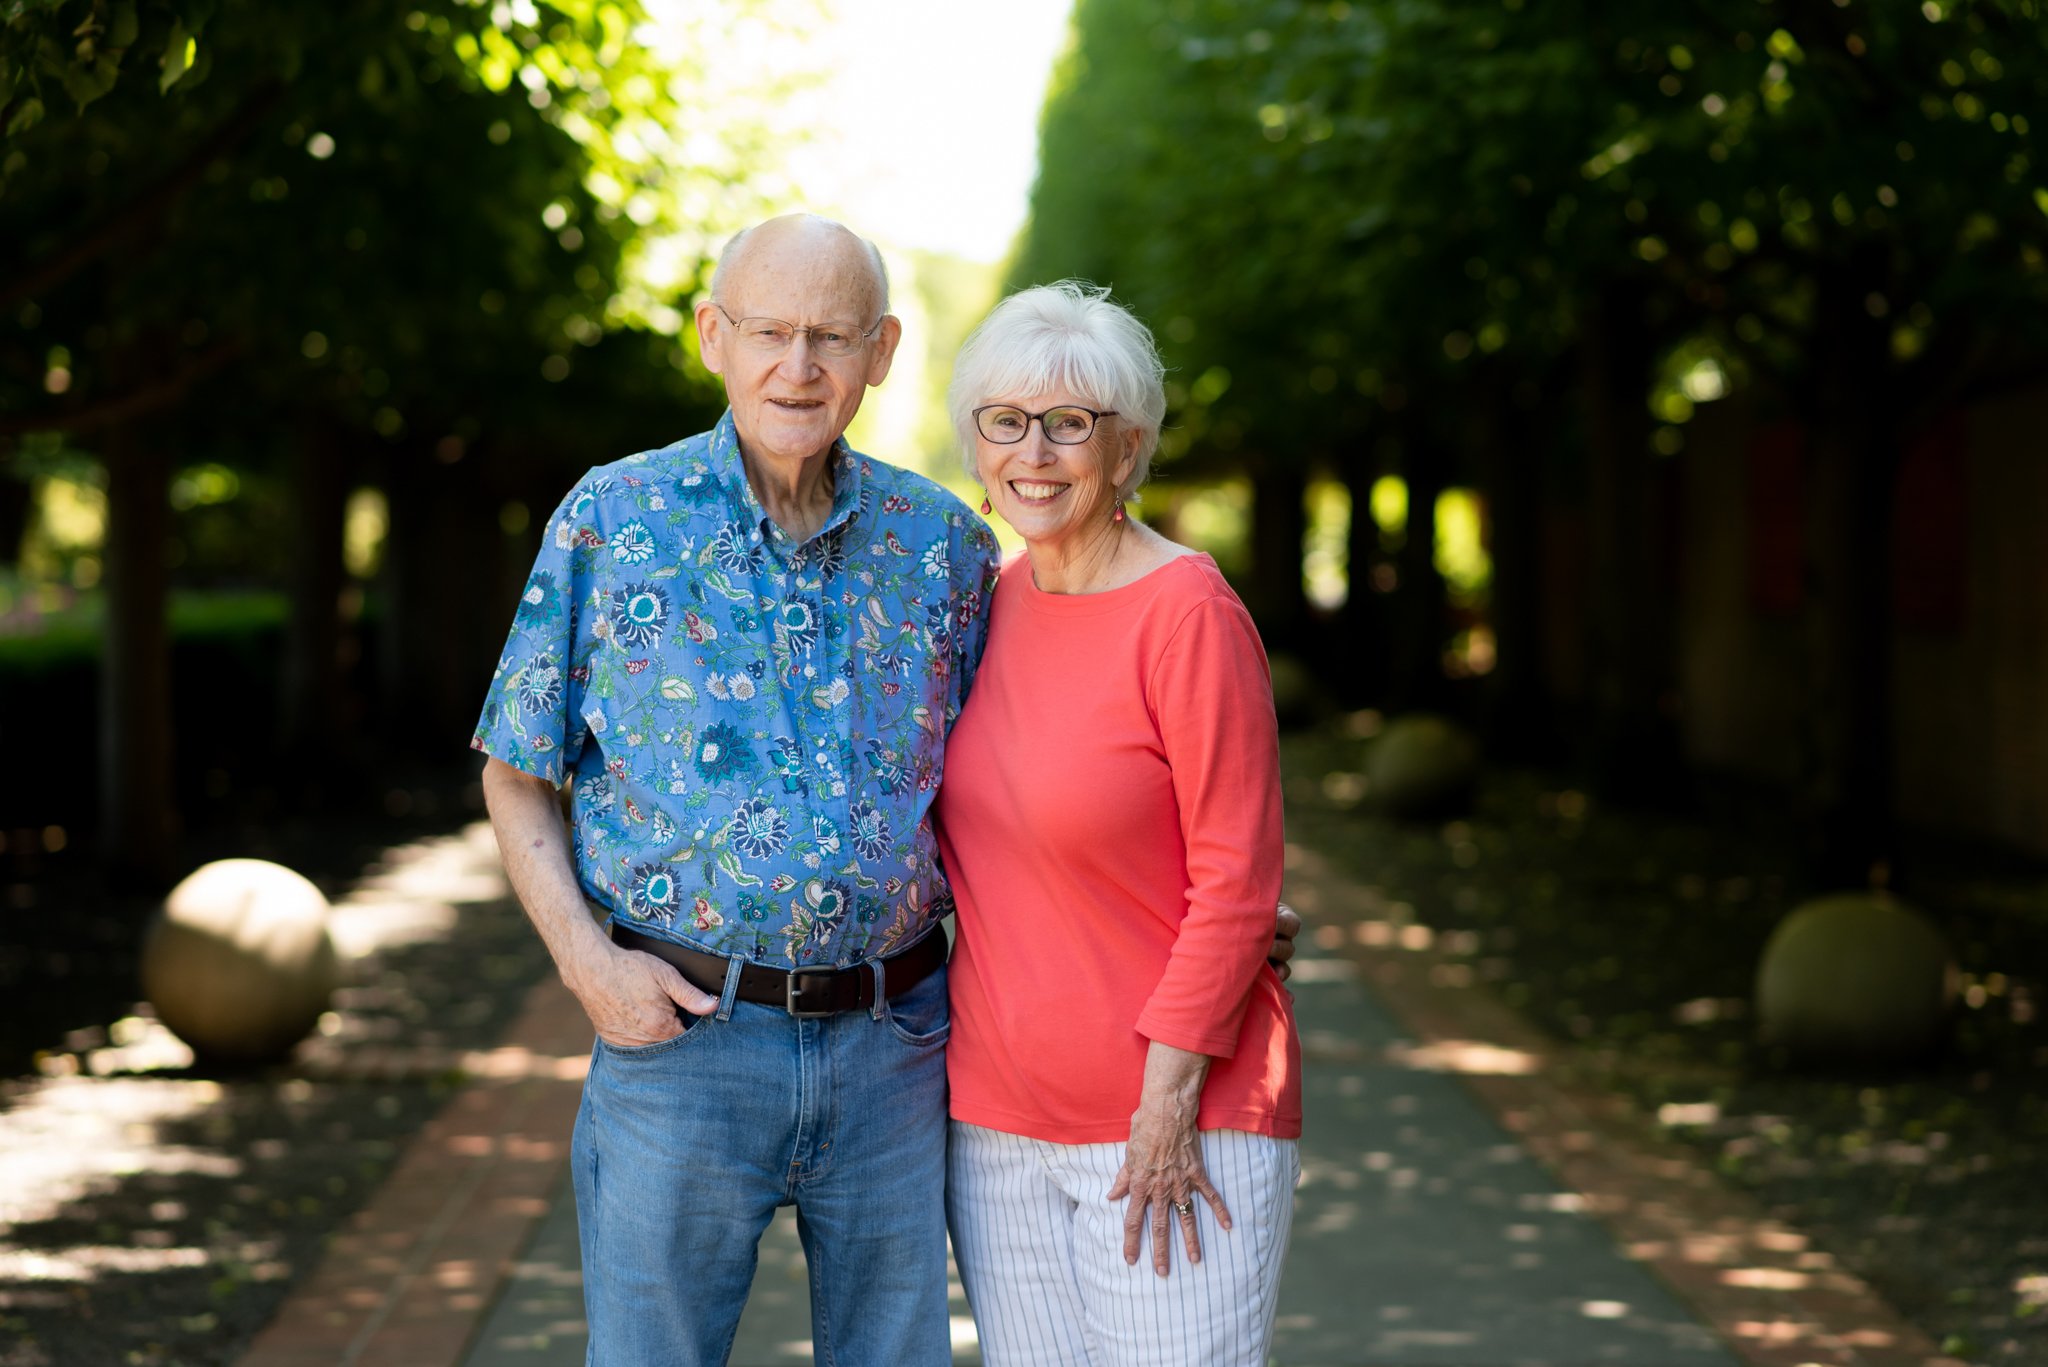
(239, 963)
(1855, 978)
(1422, 766)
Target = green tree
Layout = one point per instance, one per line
(1146, 185)
(1460, 228)
(372, 239)
(1776, 184)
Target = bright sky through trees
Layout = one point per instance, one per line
(915, 120)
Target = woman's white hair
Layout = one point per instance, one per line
(1070, 336)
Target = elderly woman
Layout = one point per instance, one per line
(1124, 1070)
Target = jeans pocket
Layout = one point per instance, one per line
(920, 1017)
(693, 1027)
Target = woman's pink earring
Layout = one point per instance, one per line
(985, 508)
(1118, 515)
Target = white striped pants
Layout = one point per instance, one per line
(1041, 1253)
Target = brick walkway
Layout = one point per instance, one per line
(406, 1283)
(1460, 1206)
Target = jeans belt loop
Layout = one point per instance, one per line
(881, 1007)
(732, 987)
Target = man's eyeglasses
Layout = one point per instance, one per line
(773, 335)
(1067, 425)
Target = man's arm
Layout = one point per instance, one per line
(631, 998)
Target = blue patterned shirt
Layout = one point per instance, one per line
(754, 729)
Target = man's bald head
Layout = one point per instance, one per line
(827, 243)
(791, 399)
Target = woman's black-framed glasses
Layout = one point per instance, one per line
(774, 335)
(1068, 425)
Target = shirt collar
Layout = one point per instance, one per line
(723, 456)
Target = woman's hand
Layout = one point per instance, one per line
(1162, 1172)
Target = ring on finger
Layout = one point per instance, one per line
(1186, 1207)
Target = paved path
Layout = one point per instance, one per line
(1446, 1217)
(1424, 1234)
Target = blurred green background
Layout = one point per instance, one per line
(1657, 390)
(1654, 393)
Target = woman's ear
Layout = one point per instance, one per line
(1127, 462)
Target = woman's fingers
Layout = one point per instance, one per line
(1134, 1228)
(1184, 1211)
(1213, 1197)
(1161, 1238)
(1161, 1194)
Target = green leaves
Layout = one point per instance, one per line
(176, 185)
(179, 50)
(1226, 164)
(26, 115)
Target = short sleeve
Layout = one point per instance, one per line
(533, 714)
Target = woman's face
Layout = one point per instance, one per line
(1049, 491)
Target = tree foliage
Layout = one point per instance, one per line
(408, 216)
(1494, 235)
(386, 243)
(1327, 195)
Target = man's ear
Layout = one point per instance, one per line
(710, 338)
(882, 351)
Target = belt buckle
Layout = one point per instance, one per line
(791, 993)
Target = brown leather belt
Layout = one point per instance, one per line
(806, 993)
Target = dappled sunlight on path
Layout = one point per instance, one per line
(148, 1205)
(1423, 1233)
(1463, 1202)
(1771, 1297)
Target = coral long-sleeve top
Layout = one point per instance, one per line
(1110, 825)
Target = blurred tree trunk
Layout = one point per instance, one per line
(1518, 722)
(444, 612)
(16, 503)
(1635, 743)
(1279, 526)
(1416, 612)
(310, 719)
(137, 811)
(1357, 667)
(1851, 472)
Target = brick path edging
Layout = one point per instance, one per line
(410, 1277)
(1758, 1283)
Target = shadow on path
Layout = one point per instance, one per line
(1423, 1234)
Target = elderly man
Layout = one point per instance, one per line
(743, 652)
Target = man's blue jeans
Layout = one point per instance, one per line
(684, 1149)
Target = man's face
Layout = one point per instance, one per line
(790, 406)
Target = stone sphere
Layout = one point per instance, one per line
(239, 964)
(1855, 978)
(1422, 766)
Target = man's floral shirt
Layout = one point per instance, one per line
(754, 729)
